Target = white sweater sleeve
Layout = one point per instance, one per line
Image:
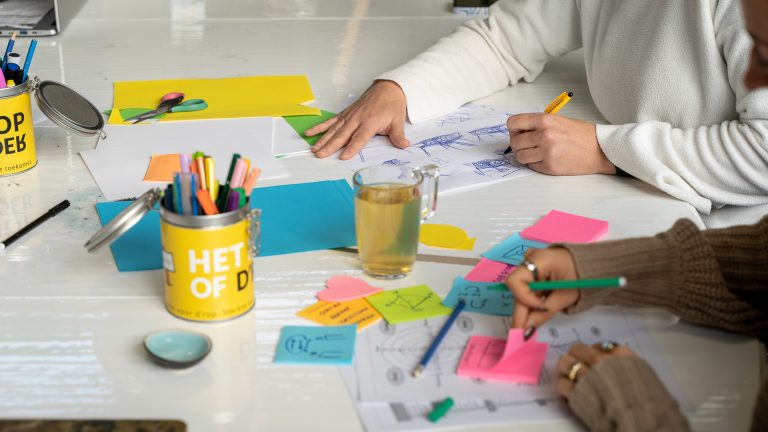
(485, 56)
(709, 165)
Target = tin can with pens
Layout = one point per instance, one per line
(207, 259)
(59, 103)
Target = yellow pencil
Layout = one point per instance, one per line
(558, 102)
(209, 175)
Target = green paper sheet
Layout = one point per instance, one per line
(301, 123)
(408, 304)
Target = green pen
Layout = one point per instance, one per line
(615, 282)
(243, 197)
(440, 410)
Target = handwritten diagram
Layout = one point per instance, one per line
(316, 345)
(447, 141)
(497, 167)
(490, 131)
(482, 297)
(408, 304)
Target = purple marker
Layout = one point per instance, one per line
(234, 200)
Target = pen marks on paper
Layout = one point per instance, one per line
(447, 141)
(499, 167)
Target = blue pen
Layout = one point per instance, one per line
(195, 207)
(28, 58)
(177, 193)
(8, 49)
(438, 339)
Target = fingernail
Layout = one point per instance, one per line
(529, 332)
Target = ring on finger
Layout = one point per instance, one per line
(532, 268)
(573, 372)
(608, 346)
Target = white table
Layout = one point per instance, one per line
(71, 325)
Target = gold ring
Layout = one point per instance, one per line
(532, 268)
(579, 365)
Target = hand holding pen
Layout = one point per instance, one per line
(557, 145)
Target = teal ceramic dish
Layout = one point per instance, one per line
(177, 349)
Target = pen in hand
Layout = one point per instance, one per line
(552, 108)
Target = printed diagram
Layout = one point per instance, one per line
(409, 302)
(447, 141)
(489, 131)
(500, 167)
(301, 344)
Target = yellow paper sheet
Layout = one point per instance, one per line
(358, 312)
(446, 236)
(252, 96)
(162, 167)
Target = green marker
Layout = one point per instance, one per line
(440, 410)
(616, 282)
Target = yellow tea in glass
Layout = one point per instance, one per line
(390, 205)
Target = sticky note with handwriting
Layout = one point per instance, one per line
(316, 345)
(481, 297)
(489, 271)
(408, 304)
(512, 249)
(561, 227)
(513, 360)
(358, 312)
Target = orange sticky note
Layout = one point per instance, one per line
(162, 167)
(358, 312)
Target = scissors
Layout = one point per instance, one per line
(171, 102)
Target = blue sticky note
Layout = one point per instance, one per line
(295, 218)
(512, 249)
(331, 345)
(480, 297)
(305, 216)
(139, 248)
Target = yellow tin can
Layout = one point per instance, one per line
(59, 103)
(207, 260)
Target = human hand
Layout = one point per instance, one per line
(588, 356)
(381, 110)
(557, 145)
(551, 264)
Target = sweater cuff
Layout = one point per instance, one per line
(624, 393)
(417, 99)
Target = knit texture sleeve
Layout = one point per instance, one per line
(704, 277)
(624, 394)
(484, 56)
(708, 165)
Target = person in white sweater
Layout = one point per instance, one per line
(666, 75)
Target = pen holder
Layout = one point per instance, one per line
(59, 103)
(208, 263)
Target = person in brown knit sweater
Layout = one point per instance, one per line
(716, 278)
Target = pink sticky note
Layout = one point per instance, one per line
(512, 360)
(345, 288)
(558, 226)
(489, 271)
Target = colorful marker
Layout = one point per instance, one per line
(28, 59)
(440, 410)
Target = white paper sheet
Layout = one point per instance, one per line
(468, 145)
(286, 141)
(389, 397)
(120, 161)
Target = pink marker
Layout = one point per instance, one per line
(239, 175)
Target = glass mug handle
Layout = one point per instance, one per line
(254, 231)
(430, 179)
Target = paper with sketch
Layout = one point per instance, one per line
(358, 312)
(408, 304)
(489, 271)
(316, 345)
(490, 298)
(468, 146)
(120, 161)
(512, 249)
(387, 354)
(511, 359)
(557, 226)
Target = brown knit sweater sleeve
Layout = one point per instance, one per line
(706, 277)
(624, 394)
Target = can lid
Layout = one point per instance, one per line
(125, 220)
(68, 108)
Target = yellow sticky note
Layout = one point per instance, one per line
(446, 236)
(162, 167)
(358, 312)
(252, 96)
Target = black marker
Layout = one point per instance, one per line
(49, 214)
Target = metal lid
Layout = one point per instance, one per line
(125, 220)
(67, 108)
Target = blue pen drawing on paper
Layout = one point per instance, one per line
(481, 297)
(490, 131)
(321, 345)
(467, 145)
(447, 141)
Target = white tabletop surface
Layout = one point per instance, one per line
(71, 325)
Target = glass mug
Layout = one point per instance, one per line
(391, 202)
